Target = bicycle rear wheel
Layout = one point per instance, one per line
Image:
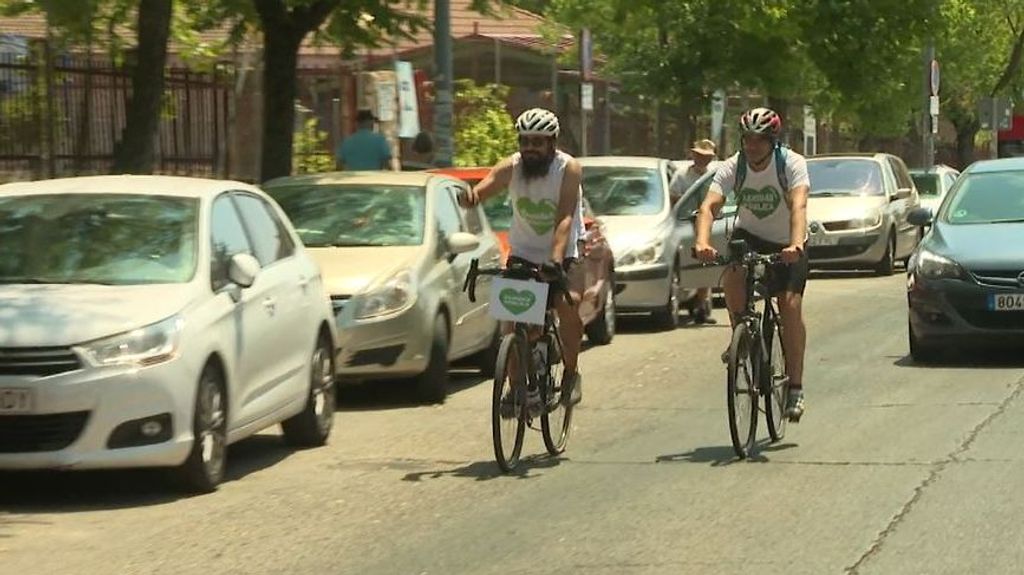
(775, 382)
(742, 391)
(556, 423)
(508, 403)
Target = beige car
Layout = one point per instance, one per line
(857, 212)
(394, 249)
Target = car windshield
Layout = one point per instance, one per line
(927, 184)
(343, 215)
(116, 239)
(620, 191)
(844, 177)
(985, 198)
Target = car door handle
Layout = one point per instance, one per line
(303, 282)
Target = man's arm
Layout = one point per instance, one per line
(568, 206)
(797, 220)
(712, 204)
(497, 180)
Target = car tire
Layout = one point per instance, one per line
(432, 384)
(602, 329)
(312, 426)
(887, 265)
(667, 317)
(921, 352)
(203, 470)
(486, 359)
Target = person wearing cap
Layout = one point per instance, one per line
(365, 149)
(703, 155)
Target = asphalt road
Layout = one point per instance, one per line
(895, 468)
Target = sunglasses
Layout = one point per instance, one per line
(533, 141)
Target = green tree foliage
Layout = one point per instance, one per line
(484, 131)
(311, 153)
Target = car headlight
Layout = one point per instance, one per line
(150, 345)
(646, 254)
(395, 295)
(933, 266)
(868, 221)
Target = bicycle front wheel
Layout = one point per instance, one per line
(742, 392)
(556, 422)
(776, 381)
(508, 403)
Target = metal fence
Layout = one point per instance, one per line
(63, 115)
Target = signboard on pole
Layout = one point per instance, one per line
(810, 132)
(587, 97)
(408, 107)
(717, 115)
(933, 77)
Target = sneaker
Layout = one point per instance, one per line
(702, 315)
(795, 405)
(507, 409)
(572, 389)
(725, 355)
(534, 406)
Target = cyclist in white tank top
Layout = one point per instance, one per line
(544, 186)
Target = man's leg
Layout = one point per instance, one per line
(702, 306)
(571, 328)
(794, 336)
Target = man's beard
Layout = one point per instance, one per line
(536, 165)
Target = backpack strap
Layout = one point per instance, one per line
(741, 173)
(780, 168)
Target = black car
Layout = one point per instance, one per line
(965, 281)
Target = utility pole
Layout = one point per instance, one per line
(930, 118)
(443, 94)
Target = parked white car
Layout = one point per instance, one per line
(151, 321)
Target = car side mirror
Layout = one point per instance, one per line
(243, 269)
(460, 243)
(903, 193)
(920, 217)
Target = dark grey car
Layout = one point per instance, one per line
(965, 281)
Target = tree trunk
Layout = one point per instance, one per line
(134, 152)
(965, 144)
(280, 57)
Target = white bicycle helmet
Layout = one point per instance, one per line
(761, 121)
(537, 122)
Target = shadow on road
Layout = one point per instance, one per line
(487, 470)
(967, 359)
(399, 393)
(30, 492)
(723, 455)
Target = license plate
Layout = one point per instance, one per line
(15, 400)
(822, 240)
(1006, 302)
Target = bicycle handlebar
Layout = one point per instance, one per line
(522, 272)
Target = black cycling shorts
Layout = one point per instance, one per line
(781, 277)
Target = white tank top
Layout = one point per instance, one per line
(534, 208)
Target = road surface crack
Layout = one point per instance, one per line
(933, 476)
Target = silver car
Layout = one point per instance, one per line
(395, 248)
(630, 195)
(933, 184)
(857, 212)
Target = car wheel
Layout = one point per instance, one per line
(602, 329)
(312, 426)
(921, 352)
(887, 264)
(204, 468)
(432, 384)
(668, 316)
(486, 359)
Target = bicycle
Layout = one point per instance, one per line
(542, 354)
(756, 358)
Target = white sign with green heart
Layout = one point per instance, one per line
(518, 300)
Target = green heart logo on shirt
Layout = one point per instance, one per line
(540, 215)
(762, 203)
(517, 301)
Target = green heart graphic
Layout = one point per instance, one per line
(517, 301)
(762, 203)
(540, 214)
